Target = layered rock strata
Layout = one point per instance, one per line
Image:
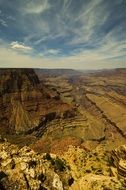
(119, 160)
(25, 104)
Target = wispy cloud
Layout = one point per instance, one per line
(20, 46)
(50, 52)
(36, 7)
(10, 17)
(14, 59)
(92, 17)
(3, 23)
(65, 33)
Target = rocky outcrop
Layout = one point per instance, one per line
(119, 160)
(78, 168)
(24, 169)
(91, 170)
(96, 182)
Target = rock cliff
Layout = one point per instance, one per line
(23, 169)
(25, 104)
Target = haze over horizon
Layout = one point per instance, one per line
(73, 34)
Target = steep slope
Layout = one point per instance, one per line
(25, 104)
(83, 110)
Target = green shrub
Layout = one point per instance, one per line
(42, 178)
(2, 175)
(110, 161)
(59, 165)
(32, 164)
(47, 157)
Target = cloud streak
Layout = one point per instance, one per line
(36, 7)
(80, 60)
(72, 33)
(3, 23)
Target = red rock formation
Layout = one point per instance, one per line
(25, 104)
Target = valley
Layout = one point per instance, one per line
(80, 117)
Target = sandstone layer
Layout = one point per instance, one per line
(100, 102)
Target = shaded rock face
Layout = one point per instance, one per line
(17, 79)
(24, 102)
(17, 88)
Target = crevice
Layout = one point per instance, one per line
(106, 118)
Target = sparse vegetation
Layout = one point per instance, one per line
(110, 161)
(32, 164)
(49, 158)
(2, 175)
(71, 181)
(56, 162)
(42, 177)
(59, 165)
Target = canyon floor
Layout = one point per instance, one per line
(62, 129)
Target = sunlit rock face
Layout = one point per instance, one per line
(25, 104)
(24, 169)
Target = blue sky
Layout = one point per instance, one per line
(79, 34)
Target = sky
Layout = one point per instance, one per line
(77, 34)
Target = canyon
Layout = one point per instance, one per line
(76, 117)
